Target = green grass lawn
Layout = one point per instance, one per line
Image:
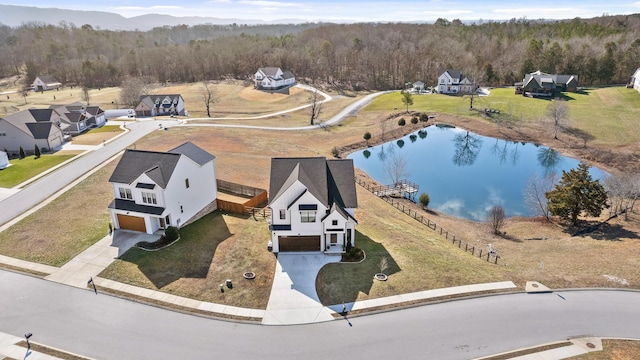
(210, 251)
(24, 169)
(106, 128)
(606, 115)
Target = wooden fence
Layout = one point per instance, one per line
(255, 197)
(490, 256)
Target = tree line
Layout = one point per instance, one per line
(375, 56)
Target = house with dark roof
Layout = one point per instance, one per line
(273, 78)
(153, 190)
(453, 81)
(45, 82)
(30, 128)
(312, 202)
(539, 84)
(160, 105)
(79, 118)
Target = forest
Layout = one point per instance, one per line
(372, 56)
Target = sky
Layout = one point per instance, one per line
(352, 10)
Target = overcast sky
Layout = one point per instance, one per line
(352, 10)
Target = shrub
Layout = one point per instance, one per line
(424, 200)
(424, 117)
(36, 151)
(335, 152)
(414, 120)
(401, 122)
(171, 234)
(367, 136)
(22, 153)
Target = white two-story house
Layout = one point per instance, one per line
(273, 78)
(154, 190)
(312, 202)
(159, 105)
(454, 82)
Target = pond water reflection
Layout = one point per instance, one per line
(464, 173)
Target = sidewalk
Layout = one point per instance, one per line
(9, 349)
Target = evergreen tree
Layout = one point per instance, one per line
(576, 193)
(22, 153)
(36, 151)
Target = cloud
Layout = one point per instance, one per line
(452, 12)
(452, 207)
(166, 7)
(539, 12)
(270, 4)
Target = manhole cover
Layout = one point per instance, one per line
(591, 346)
(249, 275)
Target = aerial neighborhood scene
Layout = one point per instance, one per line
(231, 179)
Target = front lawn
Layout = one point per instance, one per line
(66, 226)
(98, 135)
(23, 169)
(210, 251)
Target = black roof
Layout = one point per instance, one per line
(40, 130)
(159, 166)
(41, 114)
(330, 181)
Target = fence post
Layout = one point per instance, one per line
(480, 253)
(473, 250)
(466, 247)
(496, 262)
(459, 244)
(488, 254)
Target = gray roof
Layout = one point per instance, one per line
(193, 152)
(455, 74)
(150, 100)
(287, 75)
(48, 79)
(38, 123)
(270, 71)
(94, 110)
(158, 166)
(330, 181)
(539, 78)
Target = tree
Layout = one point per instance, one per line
(557, 111)
(131, 90)
(36, 151)
(623, 191)
(367, 137)
(534, 194)
(85, 94)
(577, 193)
(407, 99)
(496, 218)
(396, 166)
(316, 106)
(402, 122)
(22, 153)
(424, 200)
(207, 96)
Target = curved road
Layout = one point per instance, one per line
(106, 327)
(40, 190)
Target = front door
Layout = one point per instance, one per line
(162, 224)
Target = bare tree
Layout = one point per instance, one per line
(383, 128)
(85, 94)
(316, 106)
(623, 192)
(396, 166)
(557, 111)
(208, 96)
(496, 218)
(534, 194)
(131, 90)
(383, 264)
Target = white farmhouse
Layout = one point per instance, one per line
(312, 202)
(159, 105)
(45, 82)
(454, 82)
(154, 190)
(635, 80)
(273, 78)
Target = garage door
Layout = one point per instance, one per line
(131, 223)
(299, 243)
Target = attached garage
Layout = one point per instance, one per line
(298, 243)
(134, 223)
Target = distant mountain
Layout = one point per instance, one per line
(12, 15)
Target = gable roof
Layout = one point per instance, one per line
(158, 166)
(40, 130)
(193, 152)
(38, 123)
(150, 100)
(454, 74)
(94, 110)
(287, 75)
(270, 71)
(539, 78)
(47, 79)
(330, 181)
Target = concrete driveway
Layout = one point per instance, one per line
(293, 298)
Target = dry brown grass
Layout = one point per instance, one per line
(97, 136)
(614, 350)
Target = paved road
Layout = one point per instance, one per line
(48, 185)
(105, 327)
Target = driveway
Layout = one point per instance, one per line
(293, 298)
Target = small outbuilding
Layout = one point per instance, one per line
(45, 82)
(4, 160)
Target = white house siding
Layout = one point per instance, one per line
(636, 80)
(4, 160)
(201, 192)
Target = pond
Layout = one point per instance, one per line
(465, 174)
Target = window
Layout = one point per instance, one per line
(334, 222)
(181, 209)
(125, 193)
(166, 219)
(186, 183)
(2, 133)
(283, 214)
(307, 216)
(149, 198)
